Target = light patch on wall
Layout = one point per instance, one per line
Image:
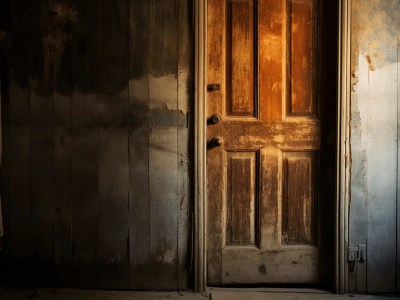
(376, 92)
(376, 29)
(163, 91)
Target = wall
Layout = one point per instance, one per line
(96, 143)
(374, 207)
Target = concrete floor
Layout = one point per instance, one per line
(212, 294)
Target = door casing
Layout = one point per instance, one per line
(342, 147)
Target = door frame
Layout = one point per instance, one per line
(342, 150)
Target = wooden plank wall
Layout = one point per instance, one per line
(96, 184)
(375, 116)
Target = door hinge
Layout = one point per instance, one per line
(356, 254)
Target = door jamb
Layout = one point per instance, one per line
(200, 145)
(343, 147)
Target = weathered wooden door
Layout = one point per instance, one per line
(264, 141)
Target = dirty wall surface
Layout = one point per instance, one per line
(96, 143)
(374, 204)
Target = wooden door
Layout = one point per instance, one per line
(263, 151)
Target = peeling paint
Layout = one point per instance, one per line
(163, 91)
(139, 116)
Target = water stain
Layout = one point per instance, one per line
(262, 269)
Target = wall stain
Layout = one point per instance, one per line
(371, 65)
(56, 34)
(375, 32)
(140, 116)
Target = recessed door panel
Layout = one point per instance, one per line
(241, 199)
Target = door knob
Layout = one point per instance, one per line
(214, 119)
(215, 142)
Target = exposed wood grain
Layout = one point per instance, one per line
(139, 205)
(270, 16)
(298, 216)
(216, 62)
(285, 135)
(240, 58)
(241, 198)
(62, 186)
(249, 267)
(270, 195)
(302, 53)
(85, 189)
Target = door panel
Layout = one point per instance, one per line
(262, 180)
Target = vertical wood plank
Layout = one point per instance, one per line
(184, 196)
(85, 144)
(163, 169)
(270, 194)
(85, 156)
(185, 91)
(113, 223)
(42, 179)
(139, 208)
(270, 59)
(18, 225)
(113, 194)
(139, 205)
(5, 24)
(216, 62)
(62, 186)
(163, 208)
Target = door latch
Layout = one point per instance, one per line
(213, 87)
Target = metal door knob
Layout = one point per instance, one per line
(215, 119)
(216, 142)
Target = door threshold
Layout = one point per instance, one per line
(244, 289)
